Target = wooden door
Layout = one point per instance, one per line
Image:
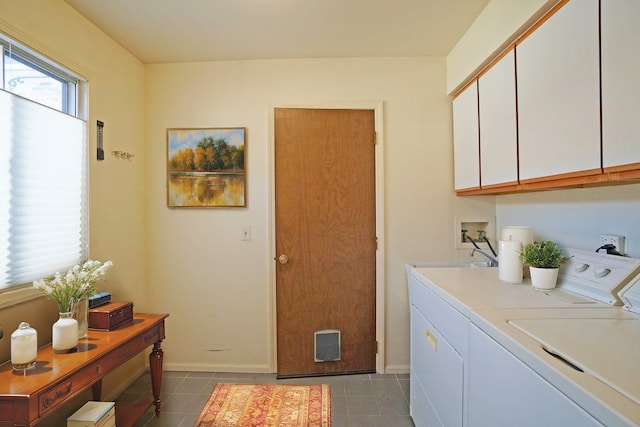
(325, 238)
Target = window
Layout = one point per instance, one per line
(43, 169)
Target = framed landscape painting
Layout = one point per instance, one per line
(206, 168)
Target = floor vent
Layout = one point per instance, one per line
(327, 345)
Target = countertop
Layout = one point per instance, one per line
(468, 289)
(501, 309)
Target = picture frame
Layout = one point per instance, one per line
(206, 167)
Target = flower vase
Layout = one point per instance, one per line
(80, 313)
(65, 333)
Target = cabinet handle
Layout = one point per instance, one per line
(47, 401)
(431, 338)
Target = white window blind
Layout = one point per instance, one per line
(43, 191)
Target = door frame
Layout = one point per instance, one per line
(377, 107)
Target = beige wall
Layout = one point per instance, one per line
(116, 186)
(217, 288)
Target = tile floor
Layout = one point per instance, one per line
(369, 400)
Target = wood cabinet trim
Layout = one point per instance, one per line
(511, 184)
(586, 174)
(631, 167)
(577, 180)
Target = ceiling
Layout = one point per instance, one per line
(162, 31)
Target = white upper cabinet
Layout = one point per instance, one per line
(498, 130)
(559, 93)
(620, 82)
(465, 139)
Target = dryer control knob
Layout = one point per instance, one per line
(601, 272)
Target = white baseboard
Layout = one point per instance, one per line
(396, 369)
(197, 367)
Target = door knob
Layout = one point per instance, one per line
(283, 259)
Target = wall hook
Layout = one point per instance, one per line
(122, 154)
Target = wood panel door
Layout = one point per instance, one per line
(325, 224)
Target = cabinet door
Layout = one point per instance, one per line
(559, 94)
(421, 410)
(465, 139)
(498, 131)
(503, 391)
(620, 83)
(438, 368)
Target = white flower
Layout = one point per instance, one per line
(78, 283)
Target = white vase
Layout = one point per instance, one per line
(81, 313)
(64, 337)
(543, 278)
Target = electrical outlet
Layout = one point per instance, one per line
(612, 239)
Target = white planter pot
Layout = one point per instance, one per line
(543, 278)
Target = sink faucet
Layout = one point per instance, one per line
(491, 260)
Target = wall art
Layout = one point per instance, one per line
(206, 168)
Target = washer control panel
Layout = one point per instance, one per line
(595, 275)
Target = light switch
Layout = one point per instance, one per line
(246, 232)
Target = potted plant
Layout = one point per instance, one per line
(544, 259)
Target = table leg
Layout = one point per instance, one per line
(155, 365)
(96, 390)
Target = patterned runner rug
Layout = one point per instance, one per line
(272, 405)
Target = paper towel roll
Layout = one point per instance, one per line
(517, 233)
(510, 263)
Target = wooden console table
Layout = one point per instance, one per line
(25, 399)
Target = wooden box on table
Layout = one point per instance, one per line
(110, 316)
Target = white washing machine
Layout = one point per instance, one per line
(588, 287)
(591, 356)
